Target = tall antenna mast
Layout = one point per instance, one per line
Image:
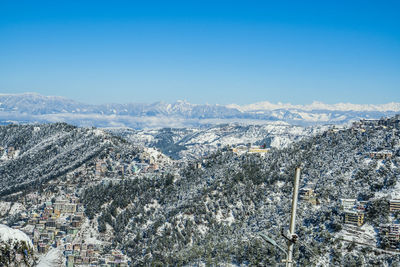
(293, 236)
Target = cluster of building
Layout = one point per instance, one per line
(102, 167)
(354, 214)
(383, 123)
(87, 254)
(58, 224)
(115, 165)
(52, 222)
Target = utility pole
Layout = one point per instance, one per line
(292, 235)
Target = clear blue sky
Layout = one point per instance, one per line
(202, 51)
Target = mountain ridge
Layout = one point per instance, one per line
(33, 107)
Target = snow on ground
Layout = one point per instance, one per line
(28, 228)
(380, 163)
(153, 152)
(52, 258)
(228, 218)
(153, 204)
(365, 234)
(98, 132)
(391, 193)
(395, 194)
(4, 156)
(162, 228)
(89, 233)
(4, 207)
(314, 117)
(202, 228)
(369, 230)
(9, 234)
(16, 208)
(279, 184)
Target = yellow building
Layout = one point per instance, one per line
(381, 155)
(394, 204)
(240, 149)
(258, 150)
(56, 213)
(354, 218)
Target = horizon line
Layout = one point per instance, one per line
(262, 105)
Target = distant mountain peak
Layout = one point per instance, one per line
(33, 107)
(317, 105)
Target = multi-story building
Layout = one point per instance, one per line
(394, 204)
(354, 218)
(101, 168)
(348, 204)
(392, 231)
(380, 155)
(70, 208)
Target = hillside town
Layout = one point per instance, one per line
(56, 220)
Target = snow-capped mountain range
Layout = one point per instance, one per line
(32, 107)
(319, 106)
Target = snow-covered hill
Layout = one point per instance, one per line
(35, 154)
(12, 236)
(196, 142)
(319, 106)
(31, 107)
(16, 248)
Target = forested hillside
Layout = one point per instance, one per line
(33, 154)
(214, 214)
